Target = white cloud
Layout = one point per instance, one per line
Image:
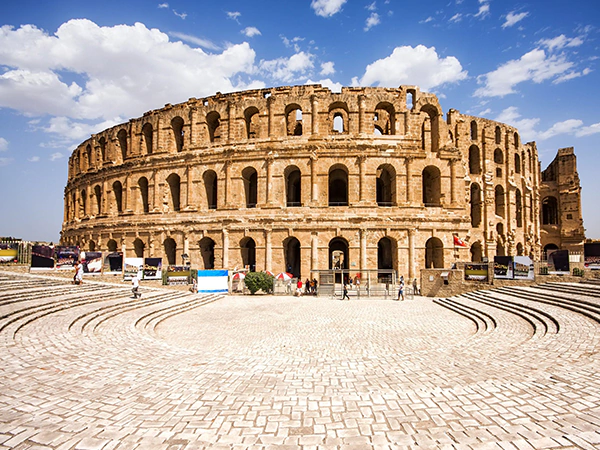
(484, 9)
(534, 66)
(418, 65)
(570, 75)
(121, 71)
(288, 69)
(234, 15)
(372, 6)
(455, 18)
(251, 31)
(69, 131)
(3, 144)
(163, 5)
(5, 161)
(526, 127)
(327, 8)
(586, 131)
(33, 159)
(372, 20)
(512, 18)
(56, 156)
(180, 15)
(560, 42)
(204, 43)
(327, 68)
(333, 86)
(429, 19)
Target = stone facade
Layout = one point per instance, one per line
(297, 178)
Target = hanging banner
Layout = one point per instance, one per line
(42, 256)
(178, 275)
(476, 272)
(523, 268)
(152, 268)
(591, 255)
(66, 257)
(134, 267)
(115, 262)
(503, 267)
(9, 252)
(213, 281)
(92, 262)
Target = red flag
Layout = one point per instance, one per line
(458, 242)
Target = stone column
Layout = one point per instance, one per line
(104, 207)
(156, 147)
(230, 121)
(126, 194)
(156, 187)
(453, 187)
(227, 183)
(193, 132)
(314, 191)
(408, 162)
(363, 250)
(362, 178)
(362, 106)
(269, 186)
(411, 254)
(314, 257)
(271, 109)
(225, 248)
(268, 250)
(314, 115)
(189, 202)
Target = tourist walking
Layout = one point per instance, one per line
(135, 287)
(401, 289)
(345, 296)
(79, 274)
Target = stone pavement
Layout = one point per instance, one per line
(87, 367)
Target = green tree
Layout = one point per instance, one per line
(259, 281)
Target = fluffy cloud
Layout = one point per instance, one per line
(327, 8)
(418, 65)
(288, 69)
(372, 20)
(118, 71)
(455, 18)
(512, 18)
(333, 86)
(56, 156)
(3, 144)
(484, 9)
(327, 68)
(560, 42)
(251, 31)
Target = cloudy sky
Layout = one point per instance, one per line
(72, 68)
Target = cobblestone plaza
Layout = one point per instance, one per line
(87, 367)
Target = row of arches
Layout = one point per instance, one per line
(474, 135)
(476, 205)
(475, 165)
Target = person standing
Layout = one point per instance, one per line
(345, 296)
(135, 287)
(401, 289)
(79, 275)
(415, 287)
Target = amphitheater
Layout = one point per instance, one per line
(89, 368)
(301, 179)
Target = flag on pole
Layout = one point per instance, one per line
(458, 242)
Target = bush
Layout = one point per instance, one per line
(259, 281)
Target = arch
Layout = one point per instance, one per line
(111, 245)
(252, 116)
(549, 248)
(500, 250)
(143, 185)
(473, 130)
(434, 253)
(432, 187)
(175, 188)
(102, 143)
(92, 246)
(207, 253)
(178, 133)
(98, 195)
(475, 202)
(517, 163)
(138, 248)
(83, 204)
(88, 157)
(498, 156)
(338, 186)
(430, 131)
(338, 254)
(523, 162)
(210, 186)
(500, 229)
(122, 138)
(248, 250)
(147, 134)
(117, 188)
(476, 252)
(520, 249)
(516, 139)
(499, 200)
(213, 121)
(73, 205)
(338, 118)
(498, 135)
(386, 256)
(170, 247)
(293, 120)
(291, 256)
(474, 160)
(550, 211)
(411, 98)
(250, 178)
(338, 123)
(293, 186)
(385, 185)
(385, 118)
(519, 208)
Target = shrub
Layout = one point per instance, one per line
(259, 281)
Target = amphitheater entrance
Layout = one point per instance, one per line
(248, 249)
(170, 250)
(434, 254)
(385, 260)
(138, 248)
(207, 253)
(291, 250)
(338, 257)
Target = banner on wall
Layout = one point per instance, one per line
(92, 262)
(152, 268)
(523, 268)
(211, 281)
(558, 262)
(178, 275)
(591, 255)
(66, 257)
(42, 257)
(134, 267)
(476, 272)
(115, 262)
(9, 252)
(503, 267)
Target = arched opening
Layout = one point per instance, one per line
(385, 118)
(386, 251)
(410, 99)
(88, 157)
(500, 229)
(210, 187)
(338, 256)
(474, 160)
(499, 200)
(338, 118)
(83, 204)
(213, 121)
(138, 248)
(293, 187)
(498, 136)
(475, 205)
(248, 249)
(252, 128)
(430, 133)
(548, 249)
(432, 188)
(147, 133)
(98, 195)
(517, 163)
(207, 253)
(498, 156)
(434, 254)
(293, 117)
(122, 138)
(520, 249)
(476, 252)
(516, 141)
(473, 130)
(338, 187)
(73, 205)
(175, 187)
(550, 211)
(519, 208)
(177, 127)
(117, 188)
(385, 186)
(111, 245)
(92, 246)
(338, 123)
(500, 250)
(291, 254)
(250, 178)
(143, 185)
(102, 143)
(170, 247)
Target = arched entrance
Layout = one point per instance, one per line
(138, 248)
(291, 253)
(434, 254)
(385, 259)
(476, 252)
(248, 249)
(207, 253)
(170, 251)
(338, 257)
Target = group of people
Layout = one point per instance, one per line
(310, 286)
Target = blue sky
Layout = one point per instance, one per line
(72, 68)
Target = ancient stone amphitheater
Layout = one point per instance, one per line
(302, 179)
